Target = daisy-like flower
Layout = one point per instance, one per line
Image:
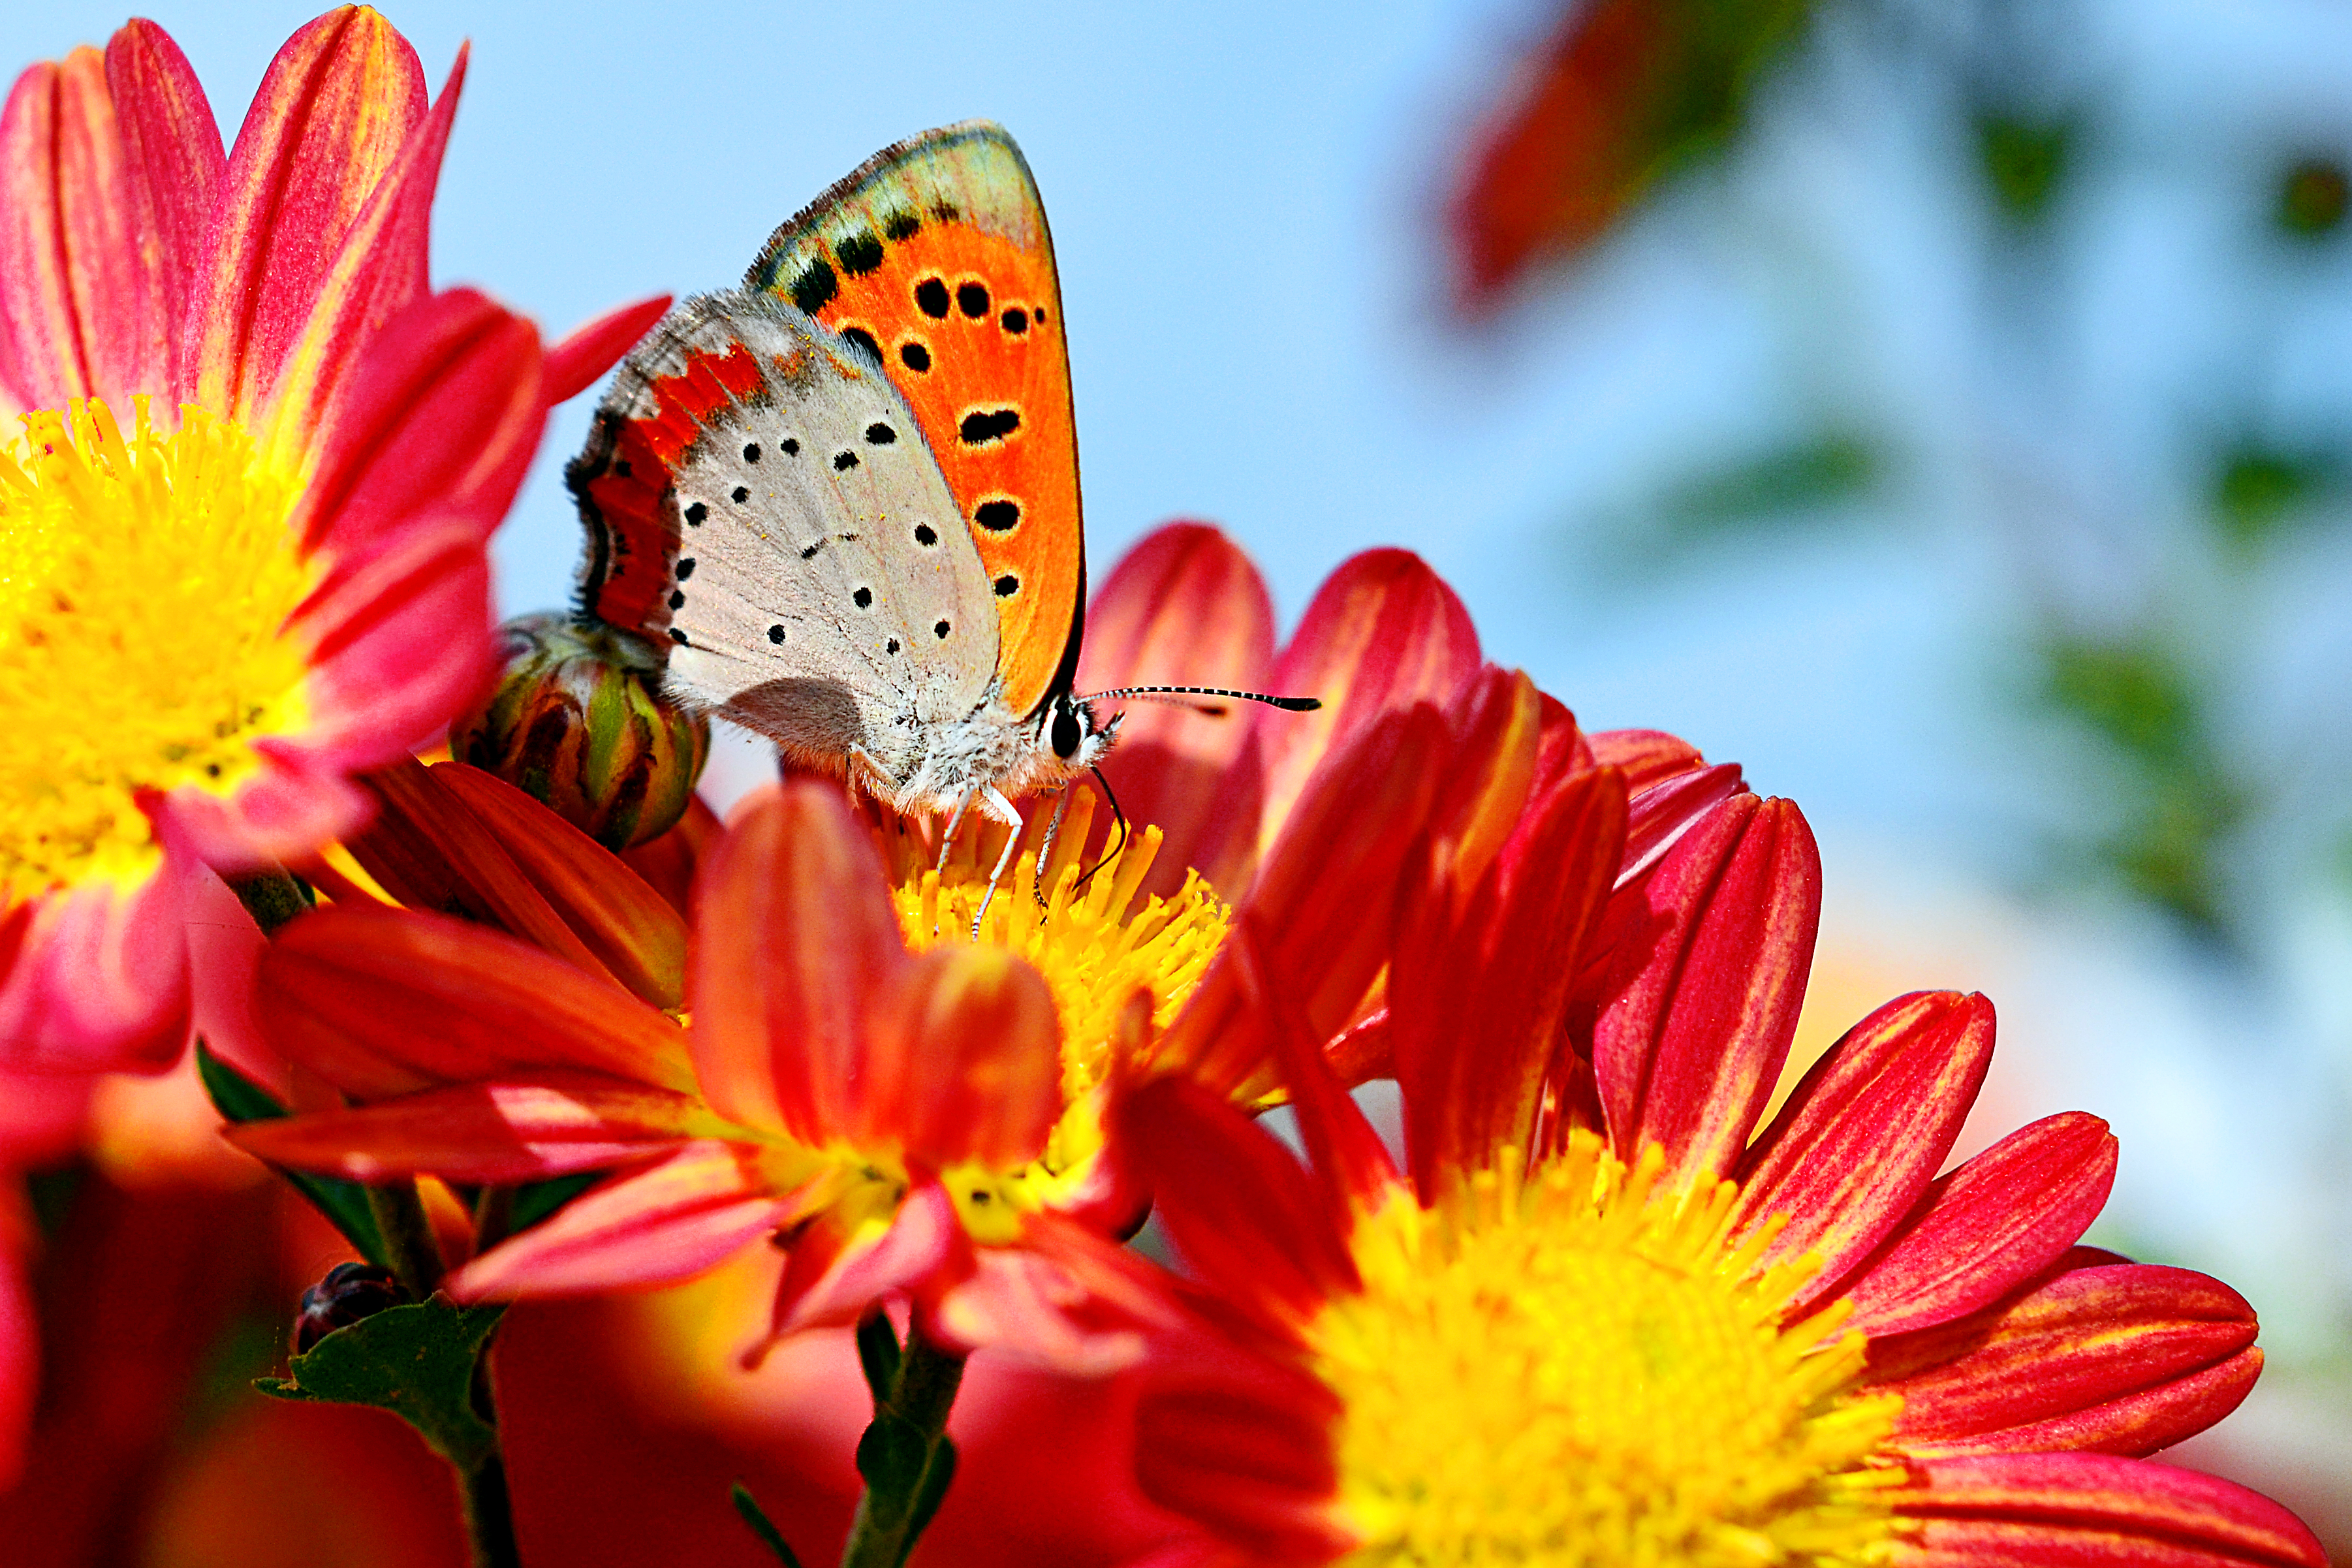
(245, 523)
(1657, 1339)
(917, 1116)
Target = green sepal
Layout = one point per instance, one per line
(878, 1357)
(418, 1362)
(770, 1536)
(890, 1457)
(346, 1204)
(934, 1492)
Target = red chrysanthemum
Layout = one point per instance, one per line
(245, 522)
(1659, 1340)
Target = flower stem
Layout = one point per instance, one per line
(490, 1516)
(906, 1455)
(412, 1251)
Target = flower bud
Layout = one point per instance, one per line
(349, 1291)
(579, 723)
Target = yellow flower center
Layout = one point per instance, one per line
(144, 589)
(1577, 1370)
(1094, 943)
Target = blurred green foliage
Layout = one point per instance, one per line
(2258, 490)
(2178, 801)
(2313, 197)
(2023, 160)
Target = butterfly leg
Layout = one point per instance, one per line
(946, 838)
(1045, 851)
(994, 804)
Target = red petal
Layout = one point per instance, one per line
(1498, 740)
(794, 938)
(430, 852)
(1476, 994)
(384, 1002)
(586, 353)
(1856, 1146)
(176, 167)
(440, 420)
(964, 1062)
(667, 1222)
(517, 1130)
(631, 929)
(2121, 1359)
(82, 308)
(1988, 1228)
(1646, 757)
(331, 121)
(1322, 903)
(2075, 1510)
(1342, 1148)
(1244, 1214)
(1383, 633)
(1705, 992)
(1242, 1444)
(1184, 607)
(832, 1277)
(1062, 1296)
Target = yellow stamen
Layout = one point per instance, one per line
(1577, 1370)
(145, 585)
(1096, 947)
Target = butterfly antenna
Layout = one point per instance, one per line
(1287, 704)
(1117, 850)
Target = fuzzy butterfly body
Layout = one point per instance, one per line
(844, 498)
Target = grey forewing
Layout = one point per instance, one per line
(847, 544)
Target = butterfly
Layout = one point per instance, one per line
(843, 499)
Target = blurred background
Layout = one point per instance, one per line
(1944, 409)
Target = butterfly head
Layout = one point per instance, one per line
(1067, 727)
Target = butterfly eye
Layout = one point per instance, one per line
(1067, 731)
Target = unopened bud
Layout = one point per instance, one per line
(349, 1291)
(579, 723)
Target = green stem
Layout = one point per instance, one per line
(905, 1456)
(490, 1516)
(270, 895)
(410, 1249)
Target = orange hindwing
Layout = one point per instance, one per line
(934, 256)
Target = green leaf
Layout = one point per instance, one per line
(2024, 161)
(891, 1456)
(878, 1354)
(2314, 194)
(2258, 490)
(935, 1490)
(770, 1536)
(346, 1204)
(417, 1362)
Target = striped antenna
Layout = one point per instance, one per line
(1287, 704)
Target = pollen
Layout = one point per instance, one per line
(1092, 939)
(1576, 1369)
(144, 588)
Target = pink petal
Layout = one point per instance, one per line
(1988, 1228)
(1184, 607)
(1062, 1297)
(834, 1277)
(1704, 991)
(20, 1331)
(670, 1221)
(440, 419)
(2074, 1510)
(333, 117)
(1854, 1150)
(95, 978)
(399, 647)
(176, 166)
(574, 364)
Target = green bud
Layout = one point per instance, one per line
(578, 723)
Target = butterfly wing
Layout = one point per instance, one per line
(761, 502)
(935, 258)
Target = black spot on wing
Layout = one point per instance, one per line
(752, 453)
(984, 427)
(696, 513)
(971, 298)
(677, 600)
(890, 646)
(685, 569)
(862, 342)
(925, 535)
(902, 225)
(941, 631)
(1007, 586)
(775, 634)
(789, 448)
(863, 598)
(879, 434)
(1014, 320)
(859, 253)
(999, 516)
(843, 461)
(743, 494)
(815, 287)
(931, 298)
(915, 356)
(678, 637)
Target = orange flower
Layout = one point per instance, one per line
(245, 523)
(1658, 1340)
(923, 1117)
